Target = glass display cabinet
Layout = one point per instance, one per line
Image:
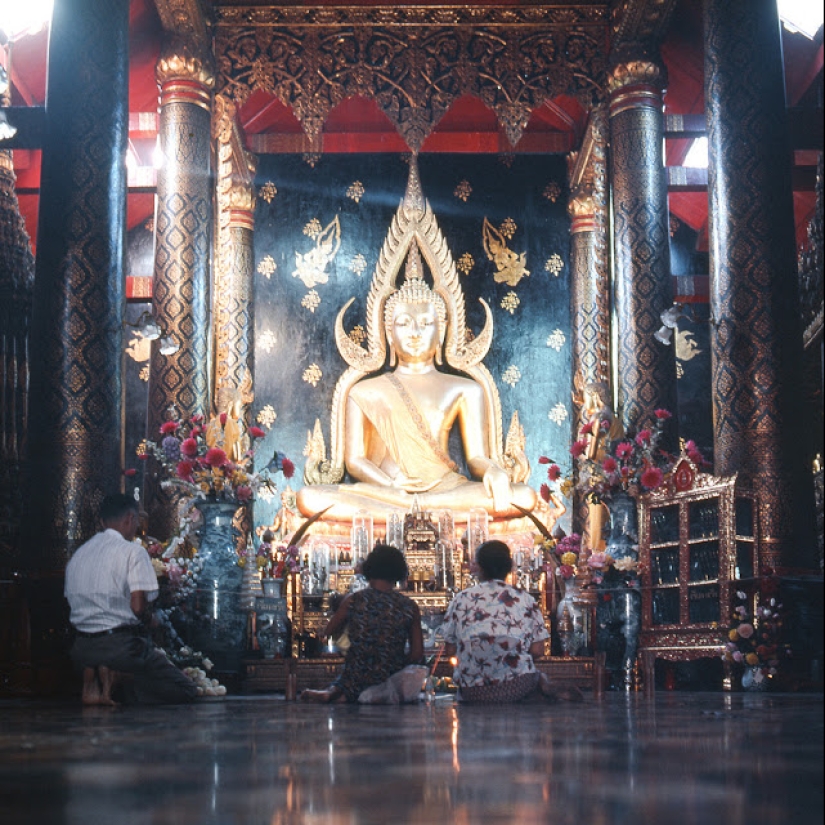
(697, 542)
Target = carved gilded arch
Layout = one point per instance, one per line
(413, 61)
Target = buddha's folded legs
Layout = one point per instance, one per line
(345, 500)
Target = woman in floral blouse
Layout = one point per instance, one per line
(495, 631)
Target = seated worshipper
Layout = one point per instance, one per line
(109, 584)
(495, 631)
(384, 630)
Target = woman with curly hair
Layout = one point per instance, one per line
(383, 626)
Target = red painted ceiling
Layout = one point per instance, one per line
(358, 125)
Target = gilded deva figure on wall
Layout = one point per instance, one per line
(390, 428)
(604, 429)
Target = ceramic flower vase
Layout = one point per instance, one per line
(570, 618)
(272, 587)
(619, 612)
(623, 540)
(219, 621)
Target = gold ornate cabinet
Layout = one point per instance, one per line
(697, 541)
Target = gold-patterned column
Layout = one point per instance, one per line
(645, 368)
(590, 287)
(590, 284)
(183, 225)
(74, 443)
(234, 271)
(756, 337)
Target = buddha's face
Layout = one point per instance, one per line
(414, 330)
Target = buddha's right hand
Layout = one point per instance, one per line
(412, 485)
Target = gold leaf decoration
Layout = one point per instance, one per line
(510, 302)
(506, 159)
(554, 264)
(142, 449)
(465, 263)
(556, 340)
(267, 340)
(511, 266)
(266, 417)
(512, 375)
(508, 228)
(358, 264)
(311, 267)
(685, 345)
(552, 191)
(144, 373)
(356, 191)
(312, 374)
(558, 415)
(463, 191)
(313, 228)
(312, 301)
(358, 334)
(139, 348)
(311, 158)
(268, 191)
(267, 266)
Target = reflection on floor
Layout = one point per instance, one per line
(703, 758)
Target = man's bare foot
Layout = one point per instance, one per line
(108, 679)
(91, 690)
(97, 686)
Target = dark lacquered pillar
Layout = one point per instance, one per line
(756, 342)
(183, 232)
(642, 290)
(74, 450)
(16, 283)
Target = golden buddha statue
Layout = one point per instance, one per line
(391, 430)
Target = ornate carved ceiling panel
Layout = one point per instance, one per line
(639, 26)
(413, 61)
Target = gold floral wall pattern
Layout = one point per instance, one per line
(413, 61)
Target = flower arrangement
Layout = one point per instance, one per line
(191, 454)
(177, 567)
(631, 464)
(753, 641)
(197, 666)
(275, 563)
(611, 572)
(567, 551)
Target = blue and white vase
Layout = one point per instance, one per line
(219, 621)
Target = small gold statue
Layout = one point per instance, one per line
(605, 428)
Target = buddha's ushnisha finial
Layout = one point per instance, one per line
(414, 196)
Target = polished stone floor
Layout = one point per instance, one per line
(681, 757)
